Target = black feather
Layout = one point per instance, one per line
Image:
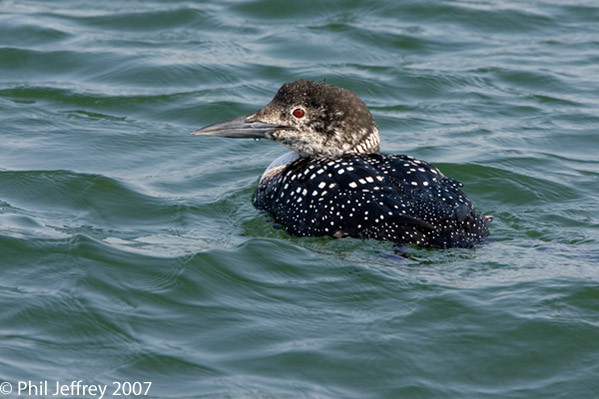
(386, 197)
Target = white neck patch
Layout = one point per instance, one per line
(279, 164)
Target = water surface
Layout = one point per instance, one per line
(130, 251)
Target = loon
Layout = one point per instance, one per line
(336, 183)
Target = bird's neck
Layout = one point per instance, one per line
(370, 145)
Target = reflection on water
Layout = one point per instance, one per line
(130, 250)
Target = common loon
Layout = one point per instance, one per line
(336, 183)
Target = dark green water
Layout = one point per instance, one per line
(130, 251)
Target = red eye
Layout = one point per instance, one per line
(299, 113)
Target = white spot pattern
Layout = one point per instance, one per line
(400, 199)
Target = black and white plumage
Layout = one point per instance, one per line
(336, 183)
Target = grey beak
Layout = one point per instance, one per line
(242, 127)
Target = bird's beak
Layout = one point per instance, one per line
(243, 127)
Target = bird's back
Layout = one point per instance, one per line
(386, 197)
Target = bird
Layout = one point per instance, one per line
(335, 182)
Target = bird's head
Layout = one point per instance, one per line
(315, 120)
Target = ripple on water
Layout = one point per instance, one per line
(130, 250)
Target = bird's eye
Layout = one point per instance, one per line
(298, 113)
